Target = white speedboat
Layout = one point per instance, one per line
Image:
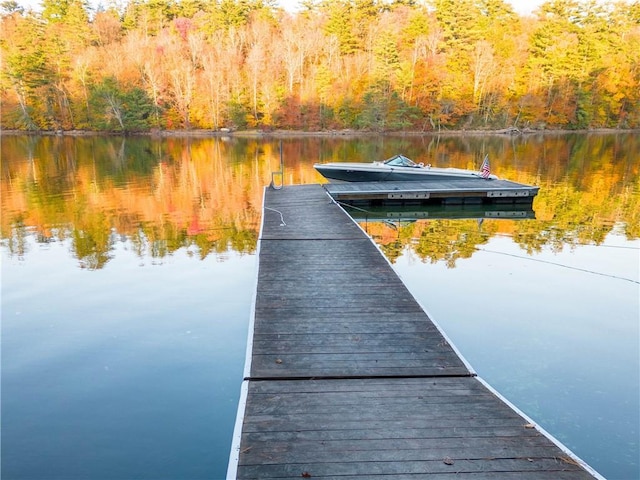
(397, 168)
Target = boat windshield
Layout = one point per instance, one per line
(400, 161)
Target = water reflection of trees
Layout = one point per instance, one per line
(158, 196)
(205, 195)
(566, 217)
(435, 240)
(589, 184)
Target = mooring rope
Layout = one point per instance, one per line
(282, 223)
(352, 206)
(561, 265)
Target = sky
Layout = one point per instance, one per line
(520, 6)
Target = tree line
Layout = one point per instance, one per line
(371, 65)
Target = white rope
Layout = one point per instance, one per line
(347, 205)
(560, 265)
(282, 224)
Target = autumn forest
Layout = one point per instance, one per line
(366, 65)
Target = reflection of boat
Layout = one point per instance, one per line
(417, 212)
(397, 168)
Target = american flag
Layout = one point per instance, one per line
(485, 171)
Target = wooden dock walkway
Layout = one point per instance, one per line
(347, 377)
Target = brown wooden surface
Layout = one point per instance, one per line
(329, 304)
(391, 428)
(435, 190)
(350, 379)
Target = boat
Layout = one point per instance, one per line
(397, 168)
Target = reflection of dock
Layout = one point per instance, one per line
(515, 211)
(448, 192)
(347, 377)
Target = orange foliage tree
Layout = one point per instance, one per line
(370, 65)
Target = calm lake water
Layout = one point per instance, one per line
(128, 268)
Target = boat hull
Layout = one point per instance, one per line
(354, 172)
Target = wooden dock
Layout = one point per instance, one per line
(347, 377)
(447, 192)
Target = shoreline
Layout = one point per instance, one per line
(280, 133)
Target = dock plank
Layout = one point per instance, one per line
(317, 281)
(348, 376)
(459, 191)
(521, 467)
(359, 427)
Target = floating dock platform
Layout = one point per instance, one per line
(347, 377)
(448, 192)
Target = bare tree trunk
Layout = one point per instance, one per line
(116, 109)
